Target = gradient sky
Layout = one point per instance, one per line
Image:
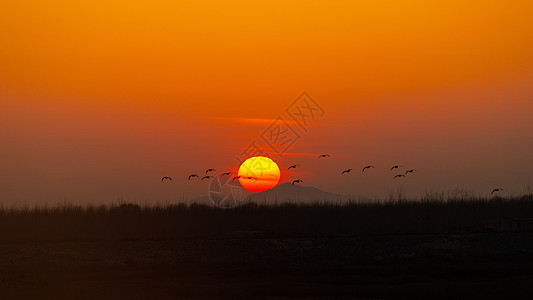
(99, 99)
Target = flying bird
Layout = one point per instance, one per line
(395, 167)
(236, 177)
(324, 155)
(192, 175)
(227, 173)
(166, 177)
(292, 167)
(296, 181)
(496, 190)
(409, 171)
(346, 171)
(206, 177)
(367, 167)
(209, 170)
(399, 175)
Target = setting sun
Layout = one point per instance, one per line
(258, 173)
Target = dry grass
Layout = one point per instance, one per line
(129, 221)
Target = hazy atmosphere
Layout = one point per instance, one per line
(97, 111)
(266, 149)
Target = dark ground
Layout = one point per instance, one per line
(464, 248)
(250, 265)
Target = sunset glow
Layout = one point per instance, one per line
(281, 149)
(97, 98)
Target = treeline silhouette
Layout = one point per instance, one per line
(130, 221)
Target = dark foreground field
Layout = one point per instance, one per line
(135, 253)
(437, 266)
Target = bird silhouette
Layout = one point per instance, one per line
(324, 155)
(192, 175)
(209, 170)
(296, 181)
(227, 173)
(367, 167)
(409, 171)
(395, 167)
(166, 177)
(496, 190)
(236, 177)
(292, 167)
(399, 175)
(346, 171)
(206, 177)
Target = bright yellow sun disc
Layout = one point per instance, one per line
(258, 173)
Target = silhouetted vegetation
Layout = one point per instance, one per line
(130, 221)
(281, 251)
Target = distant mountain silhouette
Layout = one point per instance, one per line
(203, 200)
(286, 192)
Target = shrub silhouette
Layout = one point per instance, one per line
(130, 221)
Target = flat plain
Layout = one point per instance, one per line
(251, 262)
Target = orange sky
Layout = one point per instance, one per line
(98, 100)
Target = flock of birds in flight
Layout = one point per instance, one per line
(395, 167)
(208, 176)
(349, 170)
